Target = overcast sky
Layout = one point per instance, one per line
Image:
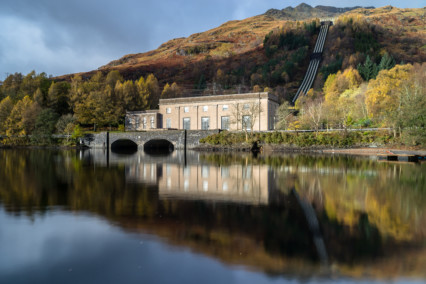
(62, 36)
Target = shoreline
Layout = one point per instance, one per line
(57, 147)
(361, 150)
(269, 149)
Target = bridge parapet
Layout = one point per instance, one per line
(180, 139)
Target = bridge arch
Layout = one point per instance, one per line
(124, 146)
(158, 145)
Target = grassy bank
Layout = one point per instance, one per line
(302, 139)
(26, 141)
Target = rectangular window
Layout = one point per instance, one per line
(271, 122)
(224, 172)
(144, 123)
(168, 123)
(247, 172)
(186, 172)
(205, 185)
(224, 123)
(152, 122)
(137, 122)
(186, 123)
(168, 110)
(205, 171)
(225, 186)
(225, 107)
(205, 108)
(186, 109)
(246, 123)
(205, 123)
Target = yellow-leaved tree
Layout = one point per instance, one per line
(384, 96)
(22, 118)
(341, 92)
(6, 107)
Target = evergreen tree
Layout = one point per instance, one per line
(44, 127)
(387, 62)
(202, 84)
(58, 97)
(368, 70)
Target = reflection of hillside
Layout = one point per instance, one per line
(393, 196)
(273, 238)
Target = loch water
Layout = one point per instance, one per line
(71, 216)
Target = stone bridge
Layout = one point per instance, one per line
(174, 139)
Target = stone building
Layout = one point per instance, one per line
(252, 111)
(143, 120)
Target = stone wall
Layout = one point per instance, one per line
(179, 138)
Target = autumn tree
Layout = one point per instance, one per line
(11, 86)
(152, 91)
(244, 116)
(113, 77)
(6, 107)
(40, 98)
(66, 125)
(76, 92)
(96, 109)
(58, 97)
(172, 91)
(413, 108)
(341, 93)
(63, 123)
(22, 117)
(145, 92)
(311, 111)
(284, 116)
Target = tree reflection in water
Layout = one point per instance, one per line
(238, 208)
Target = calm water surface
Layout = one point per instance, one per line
(97, 217)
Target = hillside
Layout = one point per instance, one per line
(233, 56)
(305, 12)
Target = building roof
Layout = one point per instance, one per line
(148, 111)
(232, 97)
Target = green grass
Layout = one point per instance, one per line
(302, 139)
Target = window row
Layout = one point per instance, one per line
(144, 122)
(205, 108)
(205, 123)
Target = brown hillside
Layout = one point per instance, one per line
(236, 49)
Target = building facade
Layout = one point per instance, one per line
(143, 120)
(251, 111)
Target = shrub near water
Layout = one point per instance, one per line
(304, 139)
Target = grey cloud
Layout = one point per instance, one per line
(92, 33)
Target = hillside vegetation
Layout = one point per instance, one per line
(233, 56)
(372, 74)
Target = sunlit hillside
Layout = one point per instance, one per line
(233, 54)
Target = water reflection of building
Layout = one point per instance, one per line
(244, 183)
(148, 173)
(237, 183)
